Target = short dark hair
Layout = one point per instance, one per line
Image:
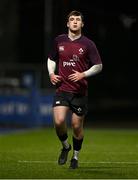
(75, 13)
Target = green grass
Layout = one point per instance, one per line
(106, 153)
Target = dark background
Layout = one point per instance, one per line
(28, 27)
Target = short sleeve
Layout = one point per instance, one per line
(53, 55)
(93, 54)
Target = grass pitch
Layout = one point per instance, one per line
(106, 153)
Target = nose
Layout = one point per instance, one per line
(75, 21)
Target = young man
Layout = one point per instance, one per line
(77, 58)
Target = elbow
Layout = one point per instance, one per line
(100, 67)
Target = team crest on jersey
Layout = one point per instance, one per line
(61, 48)
(80, 51)
(75, 57)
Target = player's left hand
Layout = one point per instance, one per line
(76, 76)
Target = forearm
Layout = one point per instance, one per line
(95, 69)
(51, 65)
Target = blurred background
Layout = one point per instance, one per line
(27, 30)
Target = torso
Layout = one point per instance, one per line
(73, 55)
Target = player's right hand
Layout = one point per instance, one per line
(55, 78)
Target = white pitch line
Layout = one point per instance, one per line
(27, 161)
(110, 162)
(82, 162)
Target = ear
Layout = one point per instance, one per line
(82, 25)
(67, 24)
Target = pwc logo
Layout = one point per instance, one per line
(69, 63)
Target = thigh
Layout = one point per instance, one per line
(60, 113)
(77, 121)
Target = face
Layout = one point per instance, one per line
(75, 23)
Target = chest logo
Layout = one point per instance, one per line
(81, 51)
(61, 48)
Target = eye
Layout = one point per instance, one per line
(71, 19)
(78, 19)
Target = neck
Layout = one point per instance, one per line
(74, 35)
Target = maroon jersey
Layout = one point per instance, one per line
(79, 55)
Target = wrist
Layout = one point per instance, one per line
(51, 74)
(83, 75)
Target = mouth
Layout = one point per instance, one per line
(75, 26)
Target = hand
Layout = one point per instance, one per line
(55, 78)
(76, 76)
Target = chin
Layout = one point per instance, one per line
(74, 30)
